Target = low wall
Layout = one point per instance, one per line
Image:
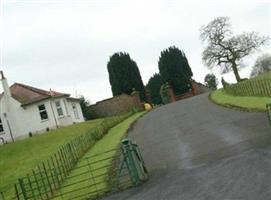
(116, 105)
(197, 88)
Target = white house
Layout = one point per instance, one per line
(25, 110)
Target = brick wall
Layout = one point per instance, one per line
(197, 88)
(116, 105)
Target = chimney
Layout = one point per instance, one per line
(5, 85)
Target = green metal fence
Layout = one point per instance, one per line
(54, 170)
(93, 177)
(268, 110)
(254, 87)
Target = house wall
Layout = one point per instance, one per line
(71, 112)
(27, 119)
(24, 120)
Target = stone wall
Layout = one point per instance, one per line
(116, 105)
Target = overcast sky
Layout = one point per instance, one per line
(65, 44)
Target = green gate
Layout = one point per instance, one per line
(91, 178)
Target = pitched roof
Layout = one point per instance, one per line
(26, 94)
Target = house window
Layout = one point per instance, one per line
(75, 111)
(59, 108)
(1, 126)
(43, 112)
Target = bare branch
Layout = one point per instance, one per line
(225, 50)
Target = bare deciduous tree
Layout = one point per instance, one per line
(225, 50)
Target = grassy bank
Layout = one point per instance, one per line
(266, 75)
(242, 102)
(16, 159)
(110, 141)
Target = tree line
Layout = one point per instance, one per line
(221, 49)
(174, 69)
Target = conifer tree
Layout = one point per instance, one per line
(174, 69)
(124, 75)
(153, 86)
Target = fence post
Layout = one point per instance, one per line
(21, 183)
(130, 161)
(31, 187)
(92, 178)
(43, 182)
(268, 109)
(47, 178)
(2, 194)
(16, 192)
(37, 183)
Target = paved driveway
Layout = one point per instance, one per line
(195, 149)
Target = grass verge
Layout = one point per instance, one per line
(110, 141)
(16, 159)
(220, 97)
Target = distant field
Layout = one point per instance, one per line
(16, 159)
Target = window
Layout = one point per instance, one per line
(1, 126)
(59, 108)
(43, 112)
(75, 111)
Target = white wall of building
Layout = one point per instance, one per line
(75, 111)
(24, 120)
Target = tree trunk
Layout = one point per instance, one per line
(235, 71)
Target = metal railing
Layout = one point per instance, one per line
(268, 110)
(58, 166)
(91, 178)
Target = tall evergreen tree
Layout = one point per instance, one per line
(84, 106)
(154, 84)
(174, 69)
(124, 75)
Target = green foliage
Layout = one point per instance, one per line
(174, 68)
(154, 84)
(84, 106)
(124, 75)
(211, 81)
(164, 94)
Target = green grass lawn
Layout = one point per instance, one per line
(110, 141)
(17, 159)
(249, 103)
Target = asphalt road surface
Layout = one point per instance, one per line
(196, 150)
